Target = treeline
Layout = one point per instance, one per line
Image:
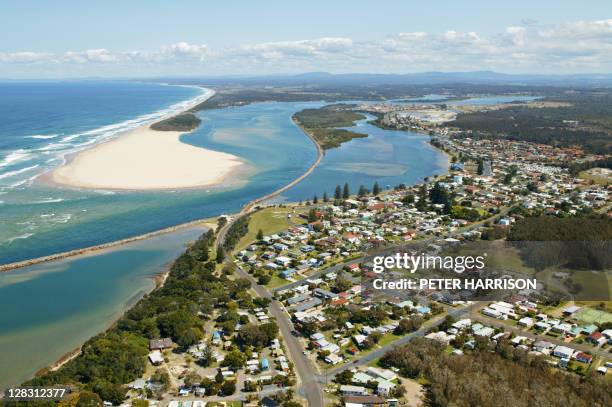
(574, 242)
(323, 123)
(575, 168)
(176, 310)
(586, 122)
(499, 375)
(181, 122)
(235, 232)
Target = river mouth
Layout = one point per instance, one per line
(102, 285)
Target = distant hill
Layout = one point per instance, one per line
(431, 78)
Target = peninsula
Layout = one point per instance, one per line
(150, 157)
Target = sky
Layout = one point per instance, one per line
(136, 38)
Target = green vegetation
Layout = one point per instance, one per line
(517, 378)
(181, 122)
(236, 231)
(576, 242)
(268, 221)
(582, 118)
(323, 124)
(177, 310)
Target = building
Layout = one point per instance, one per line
(365, 401)
(349, 390)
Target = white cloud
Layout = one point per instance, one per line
(580, 46)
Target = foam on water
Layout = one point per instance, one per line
(72, 143)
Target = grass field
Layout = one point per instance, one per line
(270, 221)
(590, 315)
(597, 175)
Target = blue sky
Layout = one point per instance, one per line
(141, 38)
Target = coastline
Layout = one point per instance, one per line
(147, 159)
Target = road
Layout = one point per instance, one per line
(309, 386)
(388, 250)
(497, 323)
(378, 353)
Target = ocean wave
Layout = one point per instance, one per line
(72, 143)
(17, 172)
(15, 157)
(24, 236)
(43, 136)
(47, 200)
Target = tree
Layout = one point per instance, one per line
(362, 191)
(480, 168)
(325, 197)
(344, 377)
(220, 255)
(338, 192)
(376, 189)
(421, 205)
(219, 377)
(260, 234)
(228, 388)
(192, 379)
(315, 199)
(438, 194)
(90, 399)
(346, 193)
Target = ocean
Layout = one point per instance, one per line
(51, 308)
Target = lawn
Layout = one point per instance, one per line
(277, 281)
(270, 221)
(598, 176)
(590, 315)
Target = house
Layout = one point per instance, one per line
(333, 359)
(321, 293)
(584, 357)
(384, 387)
(306, 305)
(569, 311)
(365, 401)
(526, 322)
(156, 357)
(543, 346)
(349, 390)
(563, 352)
(381, 373)
(596, 338)
(160, 344)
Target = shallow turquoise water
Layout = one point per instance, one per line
(50, 309)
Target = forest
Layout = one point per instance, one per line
(494, 375)
(323, 123)
(584, 120)
(181, 122)
(177, 310)
(576, 242)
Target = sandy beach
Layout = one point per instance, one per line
(145, 159)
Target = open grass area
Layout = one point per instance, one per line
(277, 281)
(591, 315)
(270, 221)
(599, 176)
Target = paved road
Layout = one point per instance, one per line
(518, 331)
(378, 353)
(389, 250)
(309, 386)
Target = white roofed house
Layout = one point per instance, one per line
(563, 352)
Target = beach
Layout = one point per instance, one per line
(146, 159)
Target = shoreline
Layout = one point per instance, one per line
(96, 248)
(92, 249)
(144, 158)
